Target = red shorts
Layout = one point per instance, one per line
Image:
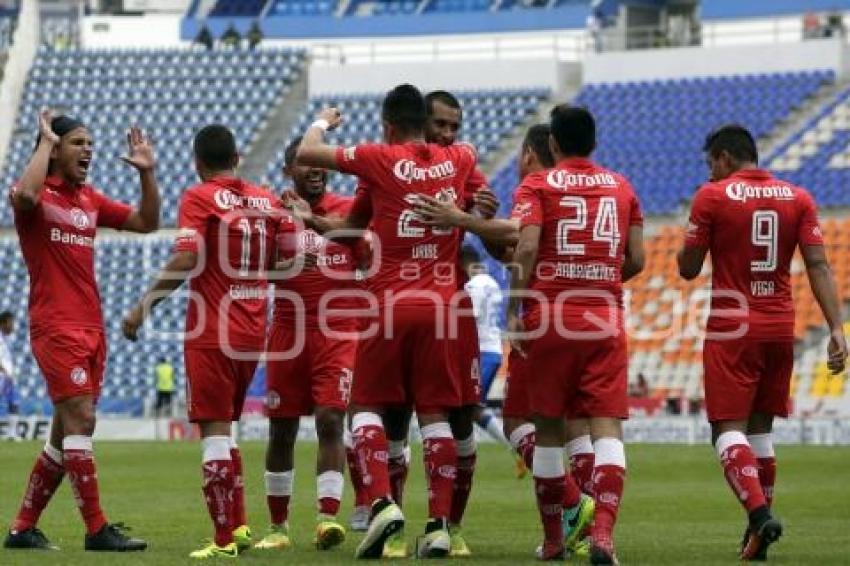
(216, 384)
(72, 362)
(578, 378)
(468, 358)
(516, 404)
(743, 377)
(320, 375)
(408, 364)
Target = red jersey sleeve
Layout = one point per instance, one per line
(110, 213)
(191, 222)
(362, 205)
(809, 233)
(527, 207)
(358, 160)
(698, 234)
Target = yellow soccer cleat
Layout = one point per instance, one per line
(242, 538)
(459, 548)
(521, 468)
(396, 546)
(212, 550)
(577, 521)
(329, 534)
(276, 539)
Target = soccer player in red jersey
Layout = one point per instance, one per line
(580, 237)
(224, 248)
(56, 217)
(408, 360)
(500, 236)
(748, 352)
(316, 377)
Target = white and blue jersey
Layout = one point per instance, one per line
(486, 298)
(8, 390)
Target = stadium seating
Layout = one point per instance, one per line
(653, 131)
(490, 116)
(302, 7)
(238, 8)
(169, 93)
(817, 156)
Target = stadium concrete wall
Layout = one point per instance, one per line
(451, 75)
(659, 430)
(687, 62)
(150, 31)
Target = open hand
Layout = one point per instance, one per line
(837, 352)
(45, 118)
(139, 150)
(484, 201)
(435, 212)
(332, 115)
(133, 320)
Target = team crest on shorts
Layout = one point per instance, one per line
(79, 376)
(272, 400)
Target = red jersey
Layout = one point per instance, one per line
(57, 242)
(751, 223)
(232, 225)
(336, 274)
(415, 259)
(584, 212)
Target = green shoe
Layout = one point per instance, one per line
(396, 546)
(329, 534)
(387, 519)
(212, 550)
(277, 539)
(581, 549)
(436, 542)
(459, 547)
(242, 538)
(577, 520)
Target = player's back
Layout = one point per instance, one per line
(233, 225)
(756, 223)
(584, 212)
(417, 261)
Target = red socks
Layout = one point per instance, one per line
(278, 492)
(463, 481)
(239, 518)
(361, 497)
(762, 445)
(44, 479)
(580, 451)
(329, 486)
(741, 469)
(398, 465)
(440, 455)
(218, 486)
(523, 440)
(370, 443)
(549, 487)
(609, 476)
(78, 459)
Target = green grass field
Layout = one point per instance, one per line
(676, 510)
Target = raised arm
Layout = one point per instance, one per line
(27, 193)
(313, 151)
(823, 287)
(145, 217)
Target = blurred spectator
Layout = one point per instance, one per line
(205, 38)
(834, 25)
(639, 388)
(811, 25)
(164, 387)
(231, 38)
(255, 35)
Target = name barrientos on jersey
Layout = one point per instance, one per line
(584, 271)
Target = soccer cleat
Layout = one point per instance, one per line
(436, 542)
(212, 550)
(581, 549)
(242, 538)
(329, 534)
(602, 552)
(396, 546)
(387, 519)
(521, 468)
(577, 520)
(111, 538)
(759, 538)
(459, 547)
(359, 520)
(277, 539)
(547, 552)
(31, 538)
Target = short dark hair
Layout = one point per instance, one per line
(290, 151)
(215, 147)
(443, 97)
(404, 108)
(468, 255)
(537, 140)
(6, 315)
(574, 130)
(735, 139)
